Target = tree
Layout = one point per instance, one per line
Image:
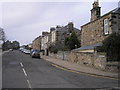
(2, 35)
(72, 42)
(53, 49)
(111, 45)
(7, 45)
(15, 45)
(10, 45)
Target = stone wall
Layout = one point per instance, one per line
(100, 61)
(89, 59)
(93, 32)
(95, 60)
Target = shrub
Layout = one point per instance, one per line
(111, 45)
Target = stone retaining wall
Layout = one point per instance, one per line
(89, 59)
(95, 60)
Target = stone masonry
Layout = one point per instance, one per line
(89, 59)
(36, 44)
(94, 31)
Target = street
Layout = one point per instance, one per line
(0, 69)
(22, 71)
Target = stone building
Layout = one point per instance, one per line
(36, 43)
(45, 42)
(100, 27)
(59, 34)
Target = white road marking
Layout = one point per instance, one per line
(29, 84)
(24, 71)
(21, 64)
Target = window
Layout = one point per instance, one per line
(105, 26)
(114, 17)
(114, 22)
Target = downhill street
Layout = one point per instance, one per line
(22, 71)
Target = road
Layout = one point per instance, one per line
(22, 71)
(0, 68)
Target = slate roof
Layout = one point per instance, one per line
(116, 10)
(65, 28)
(88, 47)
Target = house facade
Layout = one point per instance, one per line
(100, 26)
(59, 34)
(45, 42)
(36, 43)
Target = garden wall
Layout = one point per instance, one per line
(90, 59)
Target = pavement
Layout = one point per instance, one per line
(3, 52)
(73, 67)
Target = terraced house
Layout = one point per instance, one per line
(45, 42)
(56, 37)
(36, 43)
(60, 33)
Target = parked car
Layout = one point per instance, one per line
(31, 51)
(20, 49)
(26, 51)
(35, 53)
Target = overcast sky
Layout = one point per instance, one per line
(24, 21)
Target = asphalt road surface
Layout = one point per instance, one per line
(22, 71)
(0, 69)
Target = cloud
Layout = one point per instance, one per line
(24, 21)
(18, 14)
(1, 15)
(57, 0)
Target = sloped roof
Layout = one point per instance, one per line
(61, 29)
(88, 47)
(116, 10)
(65, 28)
